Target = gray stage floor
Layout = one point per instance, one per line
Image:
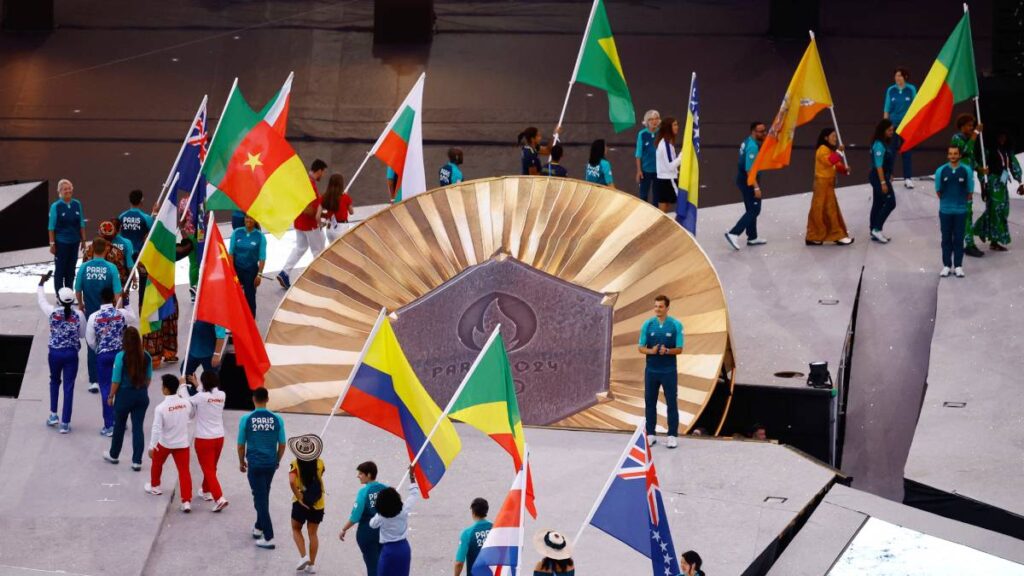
(840, 515)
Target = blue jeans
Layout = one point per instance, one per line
(64, 265)
(395, 559)
(646, 192)
(952, 227)
(105, 369)
(63, 363)
(908, 169)
(748, 222)
(881, 204)
(193, 363)
(259, 482)
(130, 402)
(669, 382)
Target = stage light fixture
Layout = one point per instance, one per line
(818, 375)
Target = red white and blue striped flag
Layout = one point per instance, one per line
(631, 509)
(499, 556)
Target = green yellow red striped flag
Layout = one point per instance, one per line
(952, 79)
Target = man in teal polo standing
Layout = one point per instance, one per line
(661, 340)
(93, 277)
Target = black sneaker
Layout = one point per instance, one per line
(974, 251)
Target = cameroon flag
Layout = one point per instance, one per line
(952, 79)
(487, 401)
(252, 164)
(599, 66)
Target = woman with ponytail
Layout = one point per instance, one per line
(306, 479)
(129, 395)
(67, 328)
(690, 564)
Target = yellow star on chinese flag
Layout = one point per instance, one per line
(253, 161)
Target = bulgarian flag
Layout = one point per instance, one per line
(598, 65)
(806, 95)
(400, 146)
(952, 79)
(486, 400)
(221, 301)
(253, 167)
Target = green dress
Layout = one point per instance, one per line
(992, 225)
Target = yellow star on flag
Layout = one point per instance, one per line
(253, 161)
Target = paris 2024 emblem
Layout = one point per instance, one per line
(558, 336)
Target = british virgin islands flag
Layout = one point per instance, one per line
(385, 392)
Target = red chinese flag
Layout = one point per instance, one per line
(222, 302)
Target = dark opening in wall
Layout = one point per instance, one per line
(13, 360)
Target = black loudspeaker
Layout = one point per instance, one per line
(403, 21)
(28, 14)
(1008, 38)
(14, 352)
(793, 18)
(20, 203)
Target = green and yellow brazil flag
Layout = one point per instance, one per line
(599, 66)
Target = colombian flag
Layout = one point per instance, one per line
(487, 401)
(952, 79)
(806, 95)
(384, 391)
(251, 163)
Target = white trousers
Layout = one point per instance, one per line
(312, 240)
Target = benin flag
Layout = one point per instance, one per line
(599, 66)
(486, 400)
(951, 80)
(252, 164)
(400, 146)
(220, 301)
(806, 96)
(158, 255)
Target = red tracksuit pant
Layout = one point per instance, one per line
(180, 456)
(208, 453)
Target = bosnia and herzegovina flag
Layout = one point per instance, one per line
(806, 95)
(487, 401)
(952, 79)
(689, 173)
(254, 166)
(400, 146)
(599, 66)
(384, 391)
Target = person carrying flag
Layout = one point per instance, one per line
(67, 327)
(392, 520)
(966, 140)
(308, 235)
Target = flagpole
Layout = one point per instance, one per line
(355, 367)
(149, 235)
(977, 108)
(832, 111)
(608, 483)
(451, 403)
(380, 138)
(522, 506)
(234, 86)
(184, 142)
(576, 68)
(199, 291)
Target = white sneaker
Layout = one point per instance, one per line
(267, 544)
(222, 504)
(206, 496)
(958, 272)
(671, 442)
(257, 534)
(733, 240)
(303, 562)
(154, 490)
(310, 569)
(908, 183)
(108, 457)
(944, 273)
(94, 388)
(877, 236)
(652, 439)
(757, 242)
(186, 507)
